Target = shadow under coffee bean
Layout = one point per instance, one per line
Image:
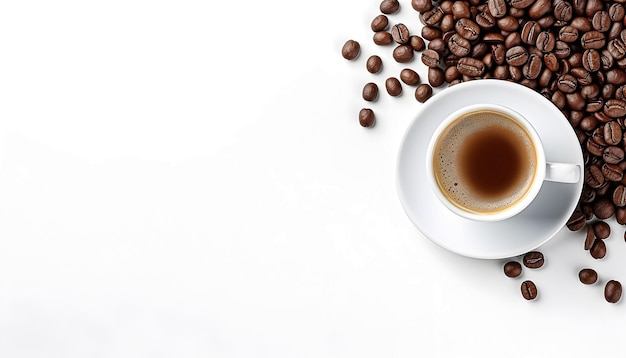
(486, 162)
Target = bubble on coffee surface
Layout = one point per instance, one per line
(510, 167)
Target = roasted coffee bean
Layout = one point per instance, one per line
(382, 38)
(460, 10)
(521, 4)
(370, 92)
(459, 46)
(467, 29)
(558, 99)
(582, 76)
(417, 43)
(603, 208)
(470, 67)
(601, 21)
(530, 31)
(613, 154)
(566, 34)
(562, 49)
(593, 176)
(593, 105)
(598, 136)
(512, 269)
(400, 33)
(551, 62)
(539, 8)
(616, 12)
(596, 149)
(613, 291)
(513, 39)
(485, 20)
(533, 259)
(593, 6)
(532, 68)
(451, 73)
(588, 276)
(389, 6)
(620, 92)
(374, 64)
(546, 22)
(480, 50)
(508, 23)
(616, 76)
(423, 92)
(612, 172)
(350, 50)
(591, 60)
(616, 48)
(615, 108)
(516, 56)
(601, 229)
(588, 123)
(493, 38)
(393, 86)
(593, 39)
(589, 238)
(409, 77)
(612, 133)
(615, 30)
(567, 83)
(582, 24)
(436, 76)
(432, 17)
(447, 23)
(545, 41)
(529, 290)
(421, 5)
(431, 32)
(563, 11)
(590, 91)
(499, 53)
(430, 58)
(403, 53)
(380, 23)
(497, 8)
(598, 249)
(545, 78)
(367, 118)
(576, 221)
(606, 59)
(619, 196)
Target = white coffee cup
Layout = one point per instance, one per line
(447, 154)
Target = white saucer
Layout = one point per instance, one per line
(536, 224)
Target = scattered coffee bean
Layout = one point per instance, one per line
(382, 38)
(590, 238)
(389, 6)
(512, 269)
(374, 64)
(380, 23)
(533, 259)
(400, 33)
(423, 93)
(409, 77)
(598, 249)
(576, 221)
(601, 230)
(417, 43)
(529, 290)
(350, 50)
(393, 86)
(613, 291)
(367, 118)
(370, 92)
(403, 53)
(588, 276)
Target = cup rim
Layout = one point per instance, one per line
(535, 184)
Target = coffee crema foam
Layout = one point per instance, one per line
(448, 169)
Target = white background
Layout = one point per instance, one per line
(189, 179)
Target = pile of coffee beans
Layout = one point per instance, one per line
(573, 52)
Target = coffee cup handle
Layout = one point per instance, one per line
(562, 172)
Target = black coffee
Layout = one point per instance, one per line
(485, 162)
